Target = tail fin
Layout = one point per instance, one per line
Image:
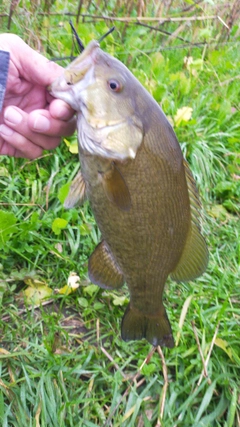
(156, 329)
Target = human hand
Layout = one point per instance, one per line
(31, 119)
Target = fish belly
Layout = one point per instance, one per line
(146, 241)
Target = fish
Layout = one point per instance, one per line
(141, 190)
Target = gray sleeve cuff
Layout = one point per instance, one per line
(4, 63)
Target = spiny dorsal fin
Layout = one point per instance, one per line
(194, 259)
(116, 188)
(103, 269)
(77, 192)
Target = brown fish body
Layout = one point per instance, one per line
(144, 202)
(146, 242)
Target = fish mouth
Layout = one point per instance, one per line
(80, 70)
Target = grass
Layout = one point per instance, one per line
(64, 363)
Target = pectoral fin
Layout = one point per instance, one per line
(77, 192)
(116, 188)
(103, 269)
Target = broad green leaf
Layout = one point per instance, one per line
(119, 300)
(98, 305)
(63, 192)
(35, 295)
(83, 302)
(149, 369)
(34, 282)
(7, 225)
(58, 225)
(72, 146)
(90, 289)
(224, 346)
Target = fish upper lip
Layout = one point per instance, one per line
(91, 51)
(88, 57)
(77, 69)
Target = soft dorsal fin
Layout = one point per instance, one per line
(194, 259)
(77, 192)
(116, 188)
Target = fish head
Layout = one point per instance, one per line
(101, 89)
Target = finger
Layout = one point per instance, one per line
(38, 127)
(42, 122)
(33, 66)
(29, 148)
(61, 110)
(14, 144)
(6, 149)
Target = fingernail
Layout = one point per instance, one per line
(13, 116)
(41, 124)
(6, 131)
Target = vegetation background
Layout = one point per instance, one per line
(62, 361)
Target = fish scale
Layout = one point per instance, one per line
(141, 190)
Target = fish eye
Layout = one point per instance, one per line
(114, 85)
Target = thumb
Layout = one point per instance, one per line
(31, 65)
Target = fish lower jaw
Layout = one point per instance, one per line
(96, 148)
(95, 140)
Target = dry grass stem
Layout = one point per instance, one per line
(224, 23)
(26, 309)
(200, 352)
(150, 18)
(226, 82)
(134, 378)
(29, 162)
(22, 204)
(164, 390)
(116, 366)
(98, 329)
(209, 355)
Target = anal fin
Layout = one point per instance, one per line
(77, 192)
(156, 328)
(103, 269)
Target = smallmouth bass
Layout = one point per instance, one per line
(140, 188)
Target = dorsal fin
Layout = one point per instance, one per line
(194, 259)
